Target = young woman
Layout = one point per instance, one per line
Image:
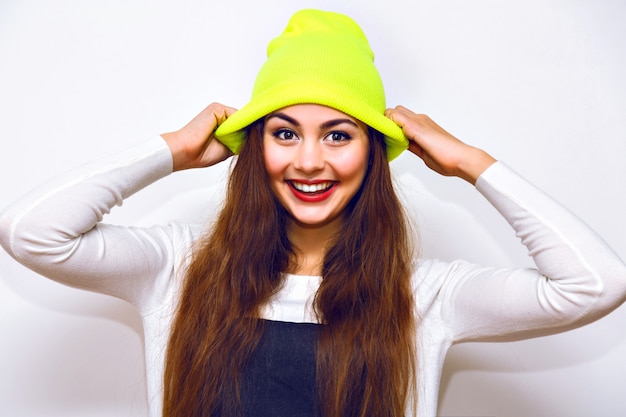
(304, 297)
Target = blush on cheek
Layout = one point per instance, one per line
(277, 159)
(272, 164)
(351, 164)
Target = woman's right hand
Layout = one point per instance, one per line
(195, 145)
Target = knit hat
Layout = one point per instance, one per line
(320, 58)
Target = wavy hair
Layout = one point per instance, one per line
(365, 354)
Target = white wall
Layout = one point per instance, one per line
(538, 83)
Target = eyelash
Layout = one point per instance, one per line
(278, 134)
(344, 136)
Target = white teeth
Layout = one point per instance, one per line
(311, 188)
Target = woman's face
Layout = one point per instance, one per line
(316, 158)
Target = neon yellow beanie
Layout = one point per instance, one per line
(320, 58)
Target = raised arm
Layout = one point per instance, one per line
(578, 278)
(56, 229)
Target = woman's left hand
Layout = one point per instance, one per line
(440, 151)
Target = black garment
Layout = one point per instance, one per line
(279, 380)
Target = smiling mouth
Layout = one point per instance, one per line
(312, 189)
(312, 192)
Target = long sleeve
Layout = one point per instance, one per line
(578, 278)
(56, 229)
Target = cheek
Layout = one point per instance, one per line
(353, 165)
(274, 160)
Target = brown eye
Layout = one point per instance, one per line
(338, 137)
(284, 134)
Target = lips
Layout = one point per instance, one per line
(312, 192)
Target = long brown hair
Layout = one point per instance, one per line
(365, 354)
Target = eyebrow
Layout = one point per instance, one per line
(326, 125)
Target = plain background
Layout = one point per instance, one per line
(538, 83)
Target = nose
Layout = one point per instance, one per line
(309, 157)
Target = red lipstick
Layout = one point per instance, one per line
(312, 191)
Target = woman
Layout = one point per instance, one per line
(304, 297)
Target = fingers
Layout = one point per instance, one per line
(399, 115)
(210, 118)
(440, 151)
(416, 149)
(421, 131)
(220, 112)
(194, 145)
(413, 124)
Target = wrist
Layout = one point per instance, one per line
(177, 150)
(473, 167)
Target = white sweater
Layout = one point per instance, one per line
(56, 230)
